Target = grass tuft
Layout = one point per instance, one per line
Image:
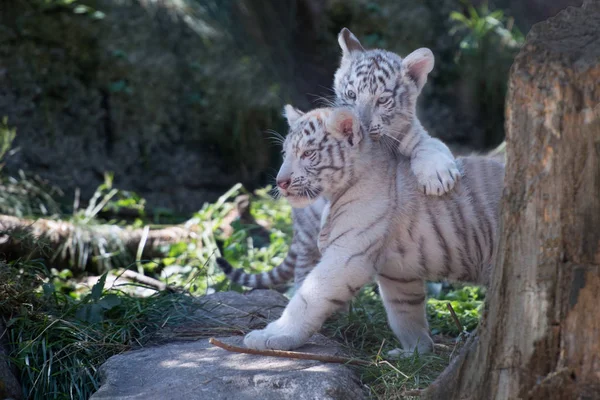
(364, 332)
(58, 342)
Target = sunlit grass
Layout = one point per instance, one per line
(365, 333)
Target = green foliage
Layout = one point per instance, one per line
(106, 198)
(488, 44)
(94, 305)
(91, 238)
(481, 27)
(246, 251)
(364, 330)
(192, 265)
(467, 302)
(57, 342)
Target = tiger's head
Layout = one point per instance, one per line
(318, 153)
(380, 85)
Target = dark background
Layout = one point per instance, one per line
(175, 98)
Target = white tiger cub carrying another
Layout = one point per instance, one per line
(380, 225)
(383, 89)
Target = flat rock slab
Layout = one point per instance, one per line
(198, 370)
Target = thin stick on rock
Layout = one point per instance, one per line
(288, 354)
(454, 317)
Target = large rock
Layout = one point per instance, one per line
(198, 370)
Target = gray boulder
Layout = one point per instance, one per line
(198, 370)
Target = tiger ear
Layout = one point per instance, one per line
(418, 65)
(343, 124)
(349, 43)
(291, 113)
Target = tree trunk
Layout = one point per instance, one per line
(84, 247)
(540, 334)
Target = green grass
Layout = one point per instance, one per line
(364, 331)
(58, 342)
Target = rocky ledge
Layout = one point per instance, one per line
(198, 370)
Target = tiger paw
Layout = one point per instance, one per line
(436, 176)
(274, 337)
(397, 354)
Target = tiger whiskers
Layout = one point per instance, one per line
(275, 193)
(322, 101)
(275, 137)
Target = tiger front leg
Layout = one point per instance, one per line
(404, 302)
(434, 166)
(329, 286)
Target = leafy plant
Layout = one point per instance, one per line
(467, 302)
(58, 342)
(365, 331)
(94, 305)
(107, 198)
(480, 26)
(88, 237)
(488, 43)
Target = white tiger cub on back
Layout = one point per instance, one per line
(383, 88)
(380, 225)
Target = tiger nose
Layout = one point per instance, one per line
(284, 183)
(365, 114)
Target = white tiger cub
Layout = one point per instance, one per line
(380, 225)
(383, 88)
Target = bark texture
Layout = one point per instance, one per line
(540, 335)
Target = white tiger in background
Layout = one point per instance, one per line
(383, 89)
(379, 225)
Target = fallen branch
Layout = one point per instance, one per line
(146, 280)
(455, 318)
(289, 354)
(84, 246)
